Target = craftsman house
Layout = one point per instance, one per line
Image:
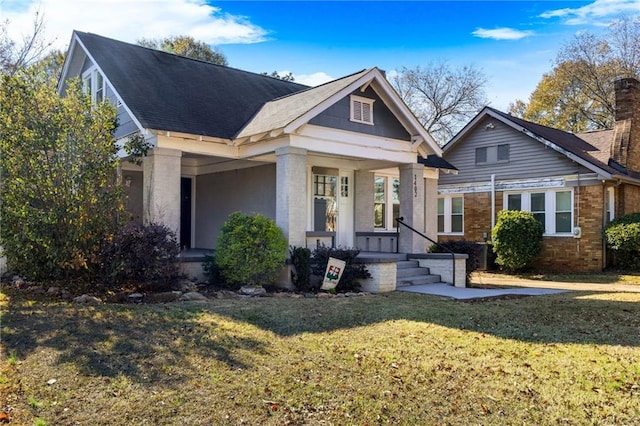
(332, 164)
(573, 183)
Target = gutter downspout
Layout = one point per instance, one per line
(493, 201)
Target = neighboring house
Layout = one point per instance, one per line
(573, 183)
(329, 164)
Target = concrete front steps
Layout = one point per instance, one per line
(409, 273)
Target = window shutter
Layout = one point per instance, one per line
(357, 110)
(366, 113)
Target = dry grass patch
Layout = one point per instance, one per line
(394, 359)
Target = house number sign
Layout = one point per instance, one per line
(415, 186)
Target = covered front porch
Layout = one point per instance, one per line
(315, 198)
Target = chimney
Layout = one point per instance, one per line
(625, 147)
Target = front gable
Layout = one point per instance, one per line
(492, 147)
(385, 123)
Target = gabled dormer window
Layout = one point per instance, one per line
(93, 84)
(362, 110)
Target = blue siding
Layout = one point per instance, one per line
(385, 123)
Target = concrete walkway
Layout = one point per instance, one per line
(459, 293)
(498, 285)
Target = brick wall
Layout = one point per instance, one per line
(564, 254)
(628, 199)
(583, 254)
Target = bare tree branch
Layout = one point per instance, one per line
(442, 98)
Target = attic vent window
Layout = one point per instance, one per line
(362, 110)
(94, 85)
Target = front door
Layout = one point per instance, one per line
(185, 212)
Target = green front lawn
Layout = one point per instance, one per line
(383, 359)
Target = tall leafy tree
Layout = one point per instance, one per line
(58, 168)
(442, 97)
(186, 46)
(577, 95)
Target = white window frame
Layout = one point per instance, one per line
(448, 213)
(549, 205)
(89, 81)
(389, 223)
(610, 208)
(358, 106)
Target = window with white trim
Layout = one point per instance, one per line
(362, 109)
(451, 215)
(386, 203)
(93, 84)
(554, 208)
(610, 210)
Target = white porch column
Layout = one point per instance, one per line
(161, 194)
(431, 205)
(291, 194)
(412, 208)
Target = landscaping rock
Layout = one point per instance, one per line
(192, 295)
(85, 298)
(325, 295)
(37, 289)
(53, 291)
(165, 297)
(253, 291)
(226, 294)
(135, 297)
(187, 286)
(18, 282)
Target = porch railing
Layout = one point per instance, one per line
(400, 221)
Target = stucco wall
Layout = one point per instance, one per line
(134, 195)
(250, 190)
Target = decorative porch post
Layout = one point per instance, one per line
(161, 194)
(291, 194)
(412, 208)
(431, 204)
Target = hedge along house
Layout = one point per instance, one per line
(327, 163)
(573, 183)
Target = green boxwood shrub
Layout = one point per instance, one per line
(623, 237)
(352, 271)
(517, 239)
(470, 248)
(251, 250)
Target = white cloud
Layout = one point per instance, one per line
(503, 33)
(314, 79)
(131, 20)
(594, 13)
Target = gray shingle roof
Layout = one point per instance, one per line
(174, 93)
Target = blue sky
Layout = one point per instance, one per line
(512, 42)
